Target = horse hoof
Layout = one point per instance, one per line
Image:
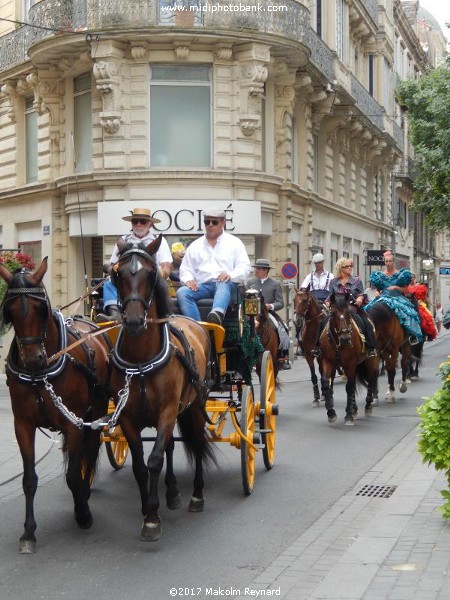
(349, 421)
(174, 502)
(408, 380)
(375, 402)
(27, 547)
(196, 504)
(403, 387)
(315, 403)
(368, 410)
(331, 416)
(390, 399)
(150, 532)
(84, 522)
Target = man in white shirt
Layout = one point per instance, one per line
(212, 266)
(141, 222)
(319, 279)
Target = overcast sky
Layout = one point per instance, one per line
(440, 9)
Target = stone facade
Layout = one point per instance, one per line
(303, 123)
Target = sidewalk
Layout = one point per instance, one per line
(383, 540)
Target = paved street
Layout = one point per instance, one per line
(390, 545)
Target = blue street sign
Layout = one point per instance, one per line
(289, 270)
(444, 270)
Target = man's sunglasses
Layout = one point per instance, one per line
(211, 222)
(141, 221)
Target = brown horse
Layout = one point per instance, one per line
(160, 376)
(392, 339)
(308, 310)
(341, 344)
(268, 335)
(57, 395)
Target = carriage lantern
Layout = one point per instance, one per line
(252, 303)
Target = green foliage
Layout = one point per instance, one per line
(427, 100)
(434, 441)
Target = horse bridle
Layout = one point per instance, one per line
(37, 293)
(346, 330)
(133, 252)
(308, 306)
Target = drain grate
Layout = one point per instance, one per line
(377, 491)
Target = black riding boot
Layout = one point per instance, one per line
(316, 350)
(369, 334)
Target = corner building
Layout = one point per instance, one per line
(281, 112)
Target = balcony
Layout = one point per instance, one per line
(53, 17)
(367, 105)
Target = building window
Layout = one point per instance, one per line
(317, 17)
(31, 141)
(33, 249)
(294, 157)
(340, 33)
(316, 162)
(180, 116)
(370, 78)
(82, 123)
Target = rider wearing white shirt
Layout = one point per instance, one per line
(211, 267)
(318, 280)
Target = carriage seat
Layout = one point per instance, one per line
(205, 305)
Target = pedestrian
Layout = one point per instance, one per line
(439, 316)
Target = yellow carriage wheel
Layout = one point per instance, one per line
(117, 450)
(268, 410)
(247, 451)
(116, 446)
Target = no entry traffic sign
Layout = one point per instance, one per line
(289, 270)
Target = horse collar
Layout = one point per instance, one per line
(157, 362)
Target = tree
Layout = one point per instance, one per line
(427, 101)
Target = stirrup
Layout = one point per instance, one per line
(316, 352)
(371, 352)
(413, 340)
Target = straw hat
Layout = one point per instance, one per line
(141, 213)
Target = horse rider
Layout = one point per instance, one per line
(141, 222)
(272, 295)
(344, 282)
(318, 280)
(393, 284)
(212, 267)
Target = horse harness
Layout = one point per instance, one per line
(45, 376)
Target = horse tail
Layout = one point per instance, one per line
(191, 424)
(362, 377)
(417, 353)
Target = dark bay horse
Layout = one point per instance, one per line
(77, 381)
(392, 339)
(160, 376)
(341, 344)
(308, 310)
(268, 335)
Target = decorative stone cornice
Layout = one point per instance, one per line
(139, 53)
(181, 50)
(253, 60)
(223, 52)
(108, 84)
(9, 89)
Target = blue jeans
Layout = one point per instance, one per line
(220, 291)
(109, 294)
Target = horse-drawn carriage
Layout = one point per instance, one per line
(231, 398)
(163, 369)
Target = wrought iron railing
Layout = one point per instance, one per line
(367, 104)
